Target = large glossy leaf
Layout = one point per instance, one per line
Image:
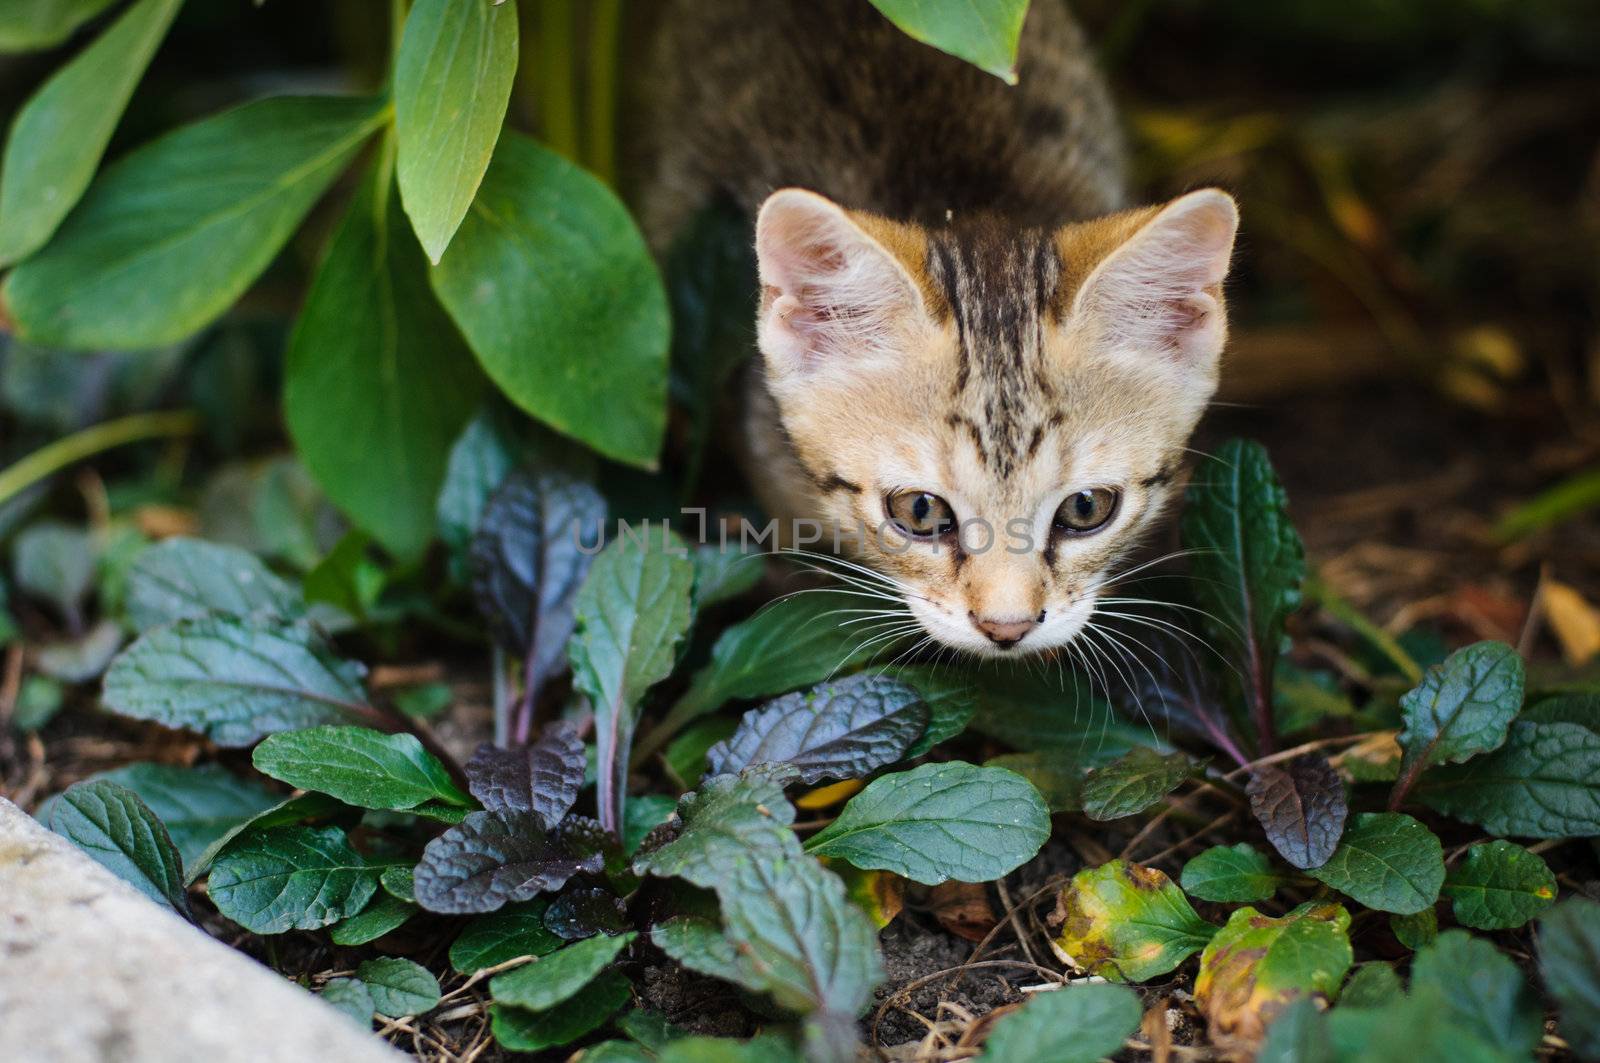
(1387, 861)
(492, 858)
(560, 975)
(939, 822)
(1127, 923)
(1569, 960)
(452, 81)
(170, 235)
(60, 134)
(1543, 783)
(359, 766)
(985, 34)
(1499, 886)
(384, 914)
(1302, 806)
(1463, 707)
(543, 778)
(1031, 710)
(729, 815)
(490, 940)
(1230, 873)
(399, 987)
(1080, 1024)
(377, 382)
(845, 729)
(179, 579)
(521, 1030)
(632, 611)
(291, 878)
(26, 25)
(549, 280)
(112, 825)
(1133, 782)
(1483, 992)
(234, 680)
(300, 808)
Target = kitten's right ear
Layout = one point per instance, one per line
(831, 295)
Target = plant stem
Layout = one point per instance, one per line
(558, 109)
(600, 99)
(502, 696)
(1324, 596)
(54, 457)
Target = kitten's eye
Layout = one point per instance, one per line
(1087, 511)
(921, 515)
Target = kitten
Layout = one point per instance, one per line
(957, 333)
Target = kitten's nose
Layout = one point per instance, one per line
(1003, 632)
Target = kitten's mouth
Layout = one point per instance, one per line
(1001, 638)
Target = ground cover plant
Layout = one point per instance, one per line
(655, 795)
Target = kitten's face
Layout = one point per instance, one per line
(1002, 411)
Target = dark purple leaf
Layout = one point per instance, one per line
(584, 912)
(543, 779)
(837, 730)
(527, 564)
(1302, 806)
(1173, 693)
(492, 858)
(584, 837)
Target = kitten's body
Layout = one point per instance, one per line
(938, 332)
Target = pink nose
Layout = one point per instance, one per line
(1003, 632)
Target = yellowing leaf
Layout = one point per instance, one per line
(830, 795)
(1575, 622)
(1126, 923)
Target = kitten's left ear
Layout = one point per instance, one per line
(1160, 292)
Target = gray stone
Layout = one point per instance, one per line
(93, 972)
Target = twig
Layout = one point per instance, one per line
(1011, 916)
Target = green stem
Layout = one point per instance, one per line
(558, 108)
(54, 457)
(600, 101)
(1341, 610)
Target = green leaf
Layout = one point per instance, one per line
(1299, 1035)
(1569, 960)
(291, 878)
(1417, 930)
(119, 831)
(1248, 562)
(297, 809)
(452, 82)
(400, 882)
(985, 34)
(351, 996)
(346, 577)
(1128, 923)
(233, 680)
(938, 822)
(721, 574)
(764, 1048)
(39, 698)
(1057, 774)
(560, 975)
(1132, 783)
(377, 382)
(80, 659)
(952, 702)
(632, 611)
(1033, 710)
(547, 278)
(1581, 709)
(519, 1030)
(196, 805)
(1078, 1024)
(182, 579)
(399, 987)
(1227, 873)
(384, 914)
(700, 945)
(1483, 991)
(685, 756)
(642, 815)
(30, 25)
(479, 462)
(1543, 783)
(1418, 1026)
(54, 562)
(729, 816)
(173, 233)
(60, 134)
(1499, 886)
(1372, 986)
(1463, 707)
(1387, 861)
(359, 766)
(490, 940)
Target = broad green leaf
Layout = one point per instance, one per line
(480, 460)
(297, 809)
(400, 882)
(685, 756)
(984, 34)
(632, 611)
(172, 234)
(1299, 1035)
(1463, 707)
(548, 278)
(1569, 961)
(1581, 709)
(560, 975)
(520, 1030)
(29, 25)
(181, 579)
(1127, 923)
(352, 997)
(291, 878)
(728, 817)
(952, 702)
(939, 822)
(700, 945)
(642, 815)
(1057, 774)
(1499, 886)
(1387, 861)
(347, 578)
(1417, 930)
(1483, 991)
(54, 562)
(492, 858)
(1543, 783)
(119, 831)
(1372, 986)
(1031, 710)
(60, 134)
(1078, 1024)
(377, 381)
(196, 805)
(724, 573)
(1256, 966)
(1133, 782)
(1418, 1026)
(399, 987)
(359, 766)
(490, 940)
(763, 1048)
(383, 914)
(233, 680)
(1230, 873)
(452, 82)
